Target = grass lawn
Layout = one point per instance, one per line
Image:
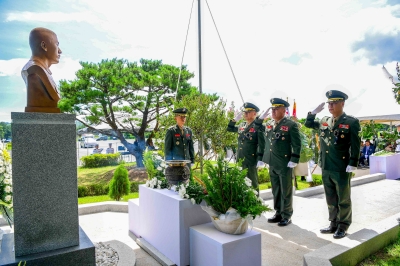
(87, 176)
(388, 256)
(300, 184)
(94, 199)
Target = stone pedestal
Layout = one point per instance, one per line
(388, 165)
(164, 222)
(45, 190)
(208, 246)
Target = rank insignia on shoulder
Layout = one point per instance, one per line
(284, 128)
(344, 126)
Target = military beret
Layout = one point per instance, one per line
(250, 107)
(334, 96)
(180, 111)
(277, 102)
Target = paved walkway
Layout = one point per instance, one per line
(372, 203)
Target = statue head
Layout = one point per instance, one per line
(44, 46)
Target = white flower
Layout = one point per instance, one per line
(158, 157)
(7, 198)
(7, 181)
(240, 168)
(193, 201)
(159, 182)
(182, 194)
(159, 168)
(254, 191)
(260, 200)
(1, 162)
(158, 187)
(147, 183)
(186, 196)
(2, 170)
(7, 189)
(163, 164)
(247, 181)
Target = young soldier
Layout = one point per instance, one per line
(179, 139)
(282, 153)
(339, 152)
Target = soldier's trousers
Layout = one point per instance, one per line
(282, 190)
(338, 197)
(252, 174)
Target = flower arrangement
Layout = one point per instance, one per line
(155, 167)
(228, 187)
(6, 206)
(193, 190)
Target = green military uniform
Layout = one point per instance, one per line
(250, 144)
(339, 147)
(283, 144)
(178, 144)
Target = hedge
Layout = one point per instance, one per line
(99, 160)
(101, 189)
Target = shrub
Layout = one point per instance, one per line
(317, 180)
(98, 189)
(119, 184)
(263, 176)
(99, 160)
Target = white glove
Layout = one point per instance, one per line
(265, 114)
(260, 164)
(291, 164)
(238, 116)
(350, 168)
(318, 109)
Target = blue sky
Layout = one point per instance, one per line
(288, 49)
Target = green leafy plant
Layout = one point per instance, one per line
(228, 187)
(155, 167)
(119, 185)
(193, 190)
(100, 160)
(263, 175)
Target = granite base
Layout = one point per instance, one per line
(82, 254)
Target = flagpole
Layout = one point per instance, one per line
(200, 79)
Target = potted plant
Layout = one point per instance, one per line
(6, 207)
(231, 201)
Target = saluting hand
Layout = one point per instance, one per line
(265, 114)
(238, 116)
(318, 109)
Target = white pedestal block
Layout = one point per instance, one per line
(208, 246)
(390, 165)
(134, 216)
(165, 220)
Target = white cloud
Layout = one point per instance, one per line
(50, 17)
(12, 67)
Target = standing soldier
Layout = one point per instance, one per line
(339, 152)
(179, 139)
(282, 153)
(250, 141)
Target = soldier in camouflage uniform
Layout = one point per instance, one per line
(339, 153)
(250, 140)
(282, 154)
(179, 139)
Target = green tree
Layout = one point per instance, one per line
(119, 184)
(128, 97)
(396, 90)
(5, 130)
(207, 115)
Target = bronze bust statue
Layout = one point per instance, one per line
(42, 92)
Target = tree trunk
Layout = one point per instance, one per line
(136, 149)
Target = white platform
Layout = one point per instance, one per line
(208, 246)
(164, 221)
(390, 165)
